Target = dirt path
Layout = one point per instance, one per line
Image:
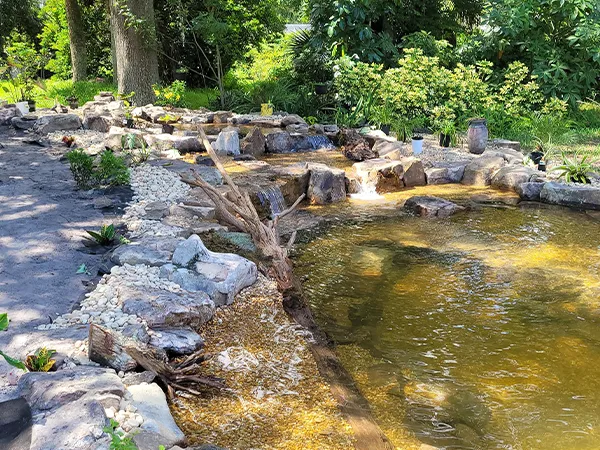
(42, 218)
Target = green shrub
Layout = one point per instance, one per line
(111, 170)
(588, 115)
(171, 95)
(353, 79)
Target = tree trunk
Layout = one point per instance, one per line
(133, 27)
(77, 40)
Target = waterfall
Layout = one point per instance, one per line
(318, 141)
(366, 191)
(272, 198)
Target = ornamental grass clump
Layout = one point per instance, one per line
(574, 170)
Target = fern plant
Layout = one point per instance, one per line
(575, 170)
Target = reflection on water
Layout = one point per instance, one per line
(479, 331)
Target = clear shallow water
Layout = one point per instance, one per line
(478, 331)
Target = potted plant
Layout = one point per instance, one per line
(21, 67)
(73, 102)
(417, 138)
(166, 121)
(383, 116)
(447, 134)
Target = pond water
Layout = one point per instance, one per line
(477, 331)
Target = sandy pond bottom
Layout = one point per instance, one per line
(478, 331)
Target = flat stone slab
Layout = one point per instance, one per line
(57, 122)
(181, 341)
(445, 173)
(158, 426)
(150, 251)
(530, 191)
(426, 206)
(577, 196)
(509, 177)
(161, 308)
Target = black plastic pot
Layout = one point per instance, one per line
(129, 123)
(386, 129)
(168, 129)
(536, 157)
(321, 89)
(542, 166)
(445, 140)
(31, 104)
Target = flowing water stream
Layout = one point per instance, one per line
(479, 331)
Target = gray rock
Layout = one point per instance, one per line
(355, 147)
(22, 123)
(209, 174)
(254, 143)
(394, 150)
(47, 391)
(150, 251)
(103, 202)
(331, 131)
(508, 154)
(446, 173)
(530, 191)
(57, 122)
(227, 143)
(297, 128)
(508, 178)
(138, 377)
(577, 196)
(162, 308)
(181, 341)
(479, 171)
(164, 142)
(99, 123)
(7, 113)
(426, 206)
(503, 143)
(221, 116)
(326, 184)
(105, 97)
(280, 142)
(156, 210)
(292, 180)
(192, 212)
(292, 119)
(159, 426)
(414, 174)
(220, 275)
(117, 135)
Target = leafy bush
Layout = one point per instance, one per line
(20, 67)
(111, 170)
(171, 95)
(354, 79)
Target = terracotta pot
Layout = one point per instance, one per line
(477, 136)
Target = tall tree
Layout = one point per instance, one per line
(77, 39)
(134, 32)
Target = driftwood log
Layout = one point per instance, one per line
(240, 213)
(112, 349)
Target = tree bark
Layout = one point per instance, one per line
(135, 48)
(77, 40)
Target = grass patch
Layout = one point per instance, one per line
(52, 90)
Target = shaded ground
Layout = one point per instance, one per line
(42, 220)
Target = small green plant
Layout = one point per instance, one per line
(575, 170)
(136, 146)
(105, 237)
(41, 360)
(118, 440)
(12, 361)
(169, 118)
(112, 169)
(82, 168)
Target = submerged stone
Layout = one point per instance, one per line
(426, 206)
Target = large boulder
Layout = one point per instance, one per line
(382, 174)
(480, 171)
(445, 173)
(394, 150)
(181, 341)
(149, 113)
(280, 142)
(509, 155)
(23, 123)
(227, 143)
(68, 406)
(503, 143)
(101, 115)
(326, 184)
(285, 142)
(57, 122)
(7, 113)
(161, 308)
(577, 196)
(414, 173)
(530, 191)
(150, 251)
(355, 146)
(221, 117)
(426, 206)
(221, 275)
(158, 426)
(254, 143)
(509, 177)
(118, 138)
(165, 141)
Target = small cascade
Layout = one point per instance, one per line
(318, 142)
(367, 189)
(272, 198)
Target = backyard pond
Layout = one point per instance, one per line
(477, 331)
